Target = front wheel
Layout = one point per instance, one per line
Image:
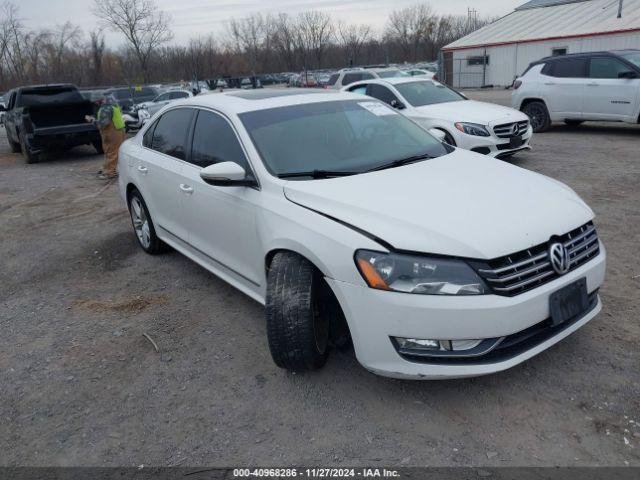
(297, 330)
(538, 116)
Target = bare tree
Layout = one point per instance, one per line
(248, 34)
(410, 27)
(315, 32)
(144, 26)
(352, 38)
(96, 49)
(284, 40)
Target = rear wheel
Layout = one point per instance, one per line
(29, 156)
(297, 322)
(538, 115)
(143, 225)
(97, 144)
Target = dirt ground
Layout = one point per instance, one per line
(81, 385)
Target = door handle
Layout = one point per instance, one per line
(593, 84)
(550, 83)
(142, 169)
(186, 189)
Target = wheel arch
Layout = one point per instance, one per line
(529, 100)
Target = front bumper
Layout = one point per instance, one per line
(375, 316)
(493, 146)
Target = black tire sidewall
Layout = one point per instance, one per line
(290, 311)
(546, 123)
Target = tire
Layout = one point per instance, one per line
(538, 116)
(573, 123)
(298, 334)
(97, 144)
(15, 147)
(143, 225)
(28, 155)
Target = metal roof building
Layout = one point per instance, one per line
(497, 53)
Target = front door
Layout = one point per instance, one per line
(222, 220)
(608, 97)
(564, 88)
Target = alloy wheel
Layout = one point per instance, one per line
(140, 222)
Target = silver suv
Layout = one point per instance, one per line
(347, 76)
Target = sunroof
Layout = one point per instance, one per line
(261, 94)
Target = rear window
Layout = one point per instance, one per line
(570, 68)
(391, 73)
(33, 98)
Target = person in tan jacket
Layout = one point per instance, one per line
(111, 125)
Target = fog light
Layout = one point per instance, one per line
(418, 344)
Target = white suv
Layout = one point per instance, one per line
(347, 76)
(599, 86)
(344, 217)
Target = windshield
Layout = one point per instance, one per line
(422, 93)
(343, 136)
(391, 73)
(633, 58)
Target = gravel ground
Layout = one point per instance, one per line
(80, 385)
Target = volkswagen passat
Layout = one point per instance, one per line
(348, 220)
(482, 127)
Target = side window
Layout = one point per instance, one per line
(162, 98)
(360, 89)
(147, 140)
(381, 93)
(333, 79)
(570, 68)
(606, 67)
(367, 76)
(177, 95)
(350, 78)
(215, 141)
(170, 133)
(546, 70)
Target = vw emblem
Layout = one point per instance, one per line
(559, 258)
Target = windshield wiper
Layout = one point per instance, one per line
(317, 174)
(402, 161)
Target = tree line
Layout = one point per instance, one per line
(253, 44)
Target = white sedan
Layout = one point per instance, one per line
(348, 220)
(481, 127)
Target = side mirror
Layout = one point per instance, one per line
(397, 104)
(439, 134)
(629, 74)
(226, 174)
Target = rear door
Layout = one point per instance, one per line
(609, 97)
(158, 171)
(222, 220)
(563, 85)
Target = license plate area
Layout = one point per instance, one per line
(569, 302)
(515, 142)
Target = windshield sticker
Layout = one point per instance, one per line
(377, 108)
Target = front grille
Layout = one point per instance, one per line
(506, 130)
(522, 271)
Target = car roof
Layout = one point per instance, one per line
(236, 102)
(585, 54)
(394, 80)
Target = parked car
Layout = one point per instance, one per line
(127, 97)
(598, 86)
(437, 261)
(3, 107)
(481, 127)
(47, 117)
(146, 110)
(419, 72)
(348, 76)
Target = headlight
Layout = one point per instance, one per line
(418, 274)
(473, 129)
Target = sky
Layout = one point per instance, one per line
(192, 18)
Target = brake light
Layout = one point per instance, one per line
(517, 84)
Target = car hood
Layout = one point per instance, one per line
(461, 204)
(471, 111)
